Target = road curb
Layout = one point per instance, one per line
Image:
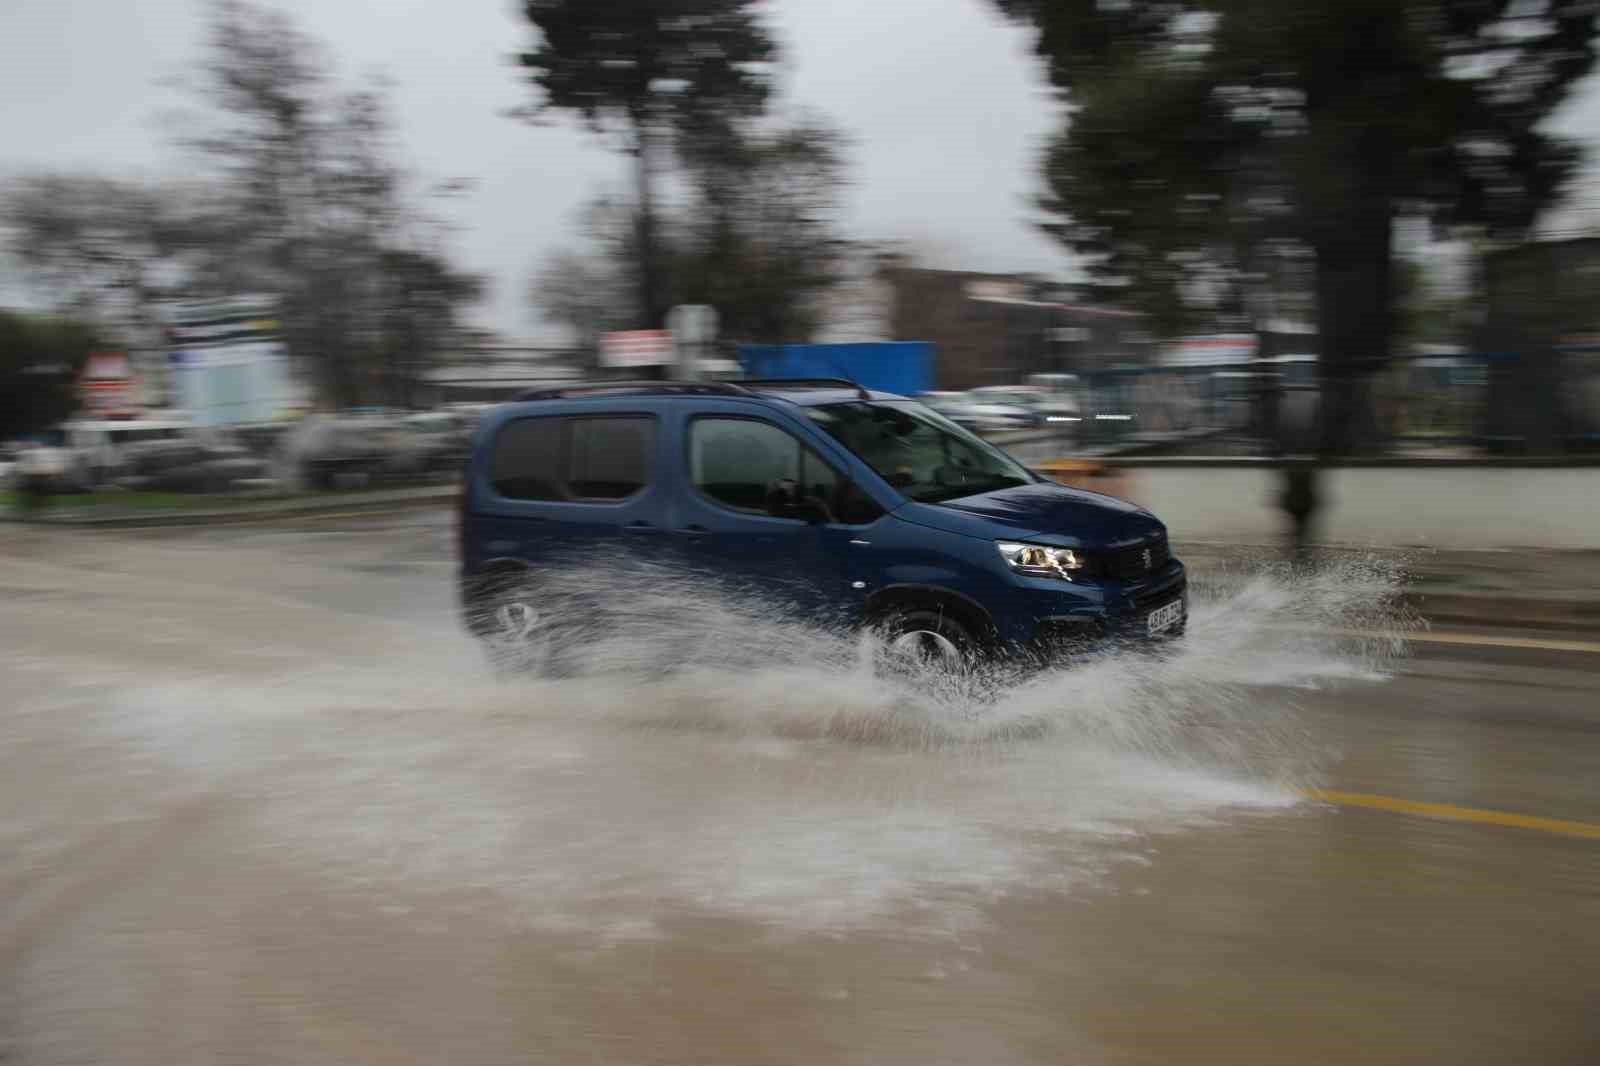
(234, 515)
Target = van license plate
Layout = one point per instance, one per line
(1164, 618)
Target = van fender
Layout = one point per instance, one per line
(964, 609)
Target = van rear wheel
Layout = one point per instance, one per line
(514, 632)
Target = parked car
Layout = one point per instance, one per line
(983, 415)
(953, 405)
(331, 451)
(45, 467)
(442, 437)
(327, 451)
(100, 446)
(1034, 407)
(207, 462)
(262, 439)
(889, 516)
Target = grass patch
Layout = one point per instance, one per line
(118, 501)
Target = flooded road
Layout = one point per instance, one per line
(261, 801)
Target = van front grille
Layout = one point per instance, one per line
(1126, 564)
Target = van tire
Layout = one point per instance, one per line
(512, 630)
(928, 634)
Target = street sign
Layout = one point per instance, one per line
(694, 327)
(693, 323)
(226, 362)
(1210, 350)
(638, 347)
(105, 388)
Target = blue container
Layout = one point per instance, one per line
(904, 367)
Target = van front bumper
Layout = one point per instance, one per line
(1122, 612)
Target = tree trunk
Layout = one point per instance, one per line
(650, 309)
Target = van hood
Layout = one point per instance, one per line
(1044, 511)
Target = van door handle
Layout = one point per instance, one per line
(640, 527)
(692, 530)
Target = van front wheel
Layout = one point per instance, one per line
(927, 637)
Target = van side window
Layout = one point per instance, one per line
(735, 461)
(610, 457)
(554, 458)
(817, 479)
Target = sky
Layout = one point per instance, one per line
(943, 100)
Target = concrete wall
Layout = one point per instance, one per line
(1443, 507)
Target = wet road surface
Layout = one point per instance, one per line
(261, 802)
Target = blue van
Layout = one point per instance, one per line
(859, 507)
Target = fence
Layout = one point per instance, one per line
(1541, 402)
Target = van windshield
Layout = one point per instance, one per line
(919, 452)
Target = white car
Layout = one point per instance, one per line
(1026, 407)
(953, 405)
(98, 445)
(46, 467)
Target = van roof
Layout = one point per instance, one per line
(802, 391)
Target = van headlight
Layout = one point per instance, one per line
(1036, 560)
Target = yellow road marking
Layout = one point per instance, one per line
(1450, 812)
(1475, 640)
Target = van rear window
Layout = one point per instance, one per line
(564, 458)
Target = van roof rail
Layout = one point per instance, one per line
(779, 384)
(644, 388)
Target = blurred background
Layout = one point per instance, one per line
(271, 251)
(1316, 281)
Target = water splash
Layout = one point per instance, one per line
(706, 753)
(658, 646)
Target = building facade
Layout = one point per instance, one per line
(997, 329)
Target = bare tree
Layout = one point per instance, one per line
(315, 209)
(101, 249)
(588, 288)
(757, 239)
(761, 242)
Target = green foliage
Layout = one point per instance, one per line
(646, 63)
(656, 73)
(40, 358)
(1427, 311)
(1199, 128)
(415, 311)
